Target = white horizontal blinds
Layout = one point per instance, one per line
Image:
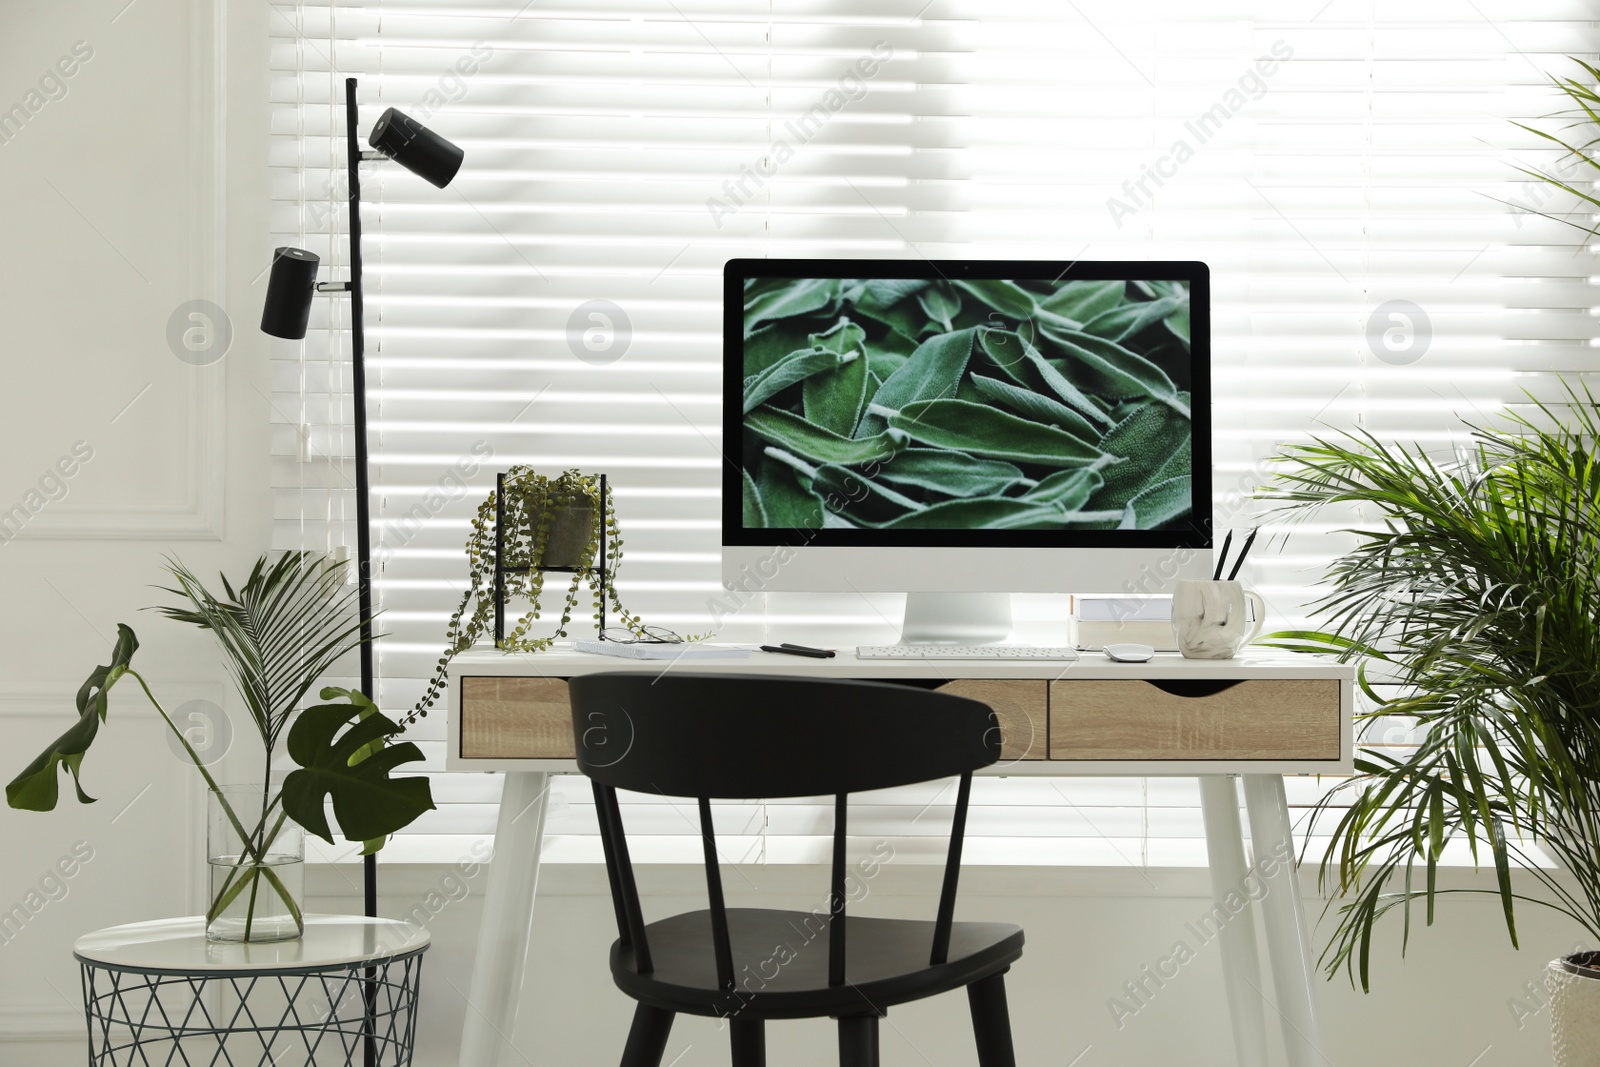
(1392, 173)
(609, 154)
(1387, 299)
(1322, 165)
(1325, 159)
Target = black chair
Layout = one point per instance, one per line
(702, 735)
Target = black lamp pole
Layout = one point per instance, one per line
(286, 312)
(288, 308)
(358, 364)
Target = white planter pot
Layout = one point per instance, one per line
(1574, 984)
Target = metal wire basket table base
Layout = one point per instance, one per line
(280, 1018)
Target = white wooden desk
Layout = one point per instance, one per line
(1261, 716)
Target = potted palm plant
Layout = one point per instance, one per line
(1575, 979)
(280, 631)
(1471, 602)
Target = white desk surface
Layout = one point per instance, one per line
(563, 662)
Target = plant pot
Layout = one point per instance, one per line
(256, 889)
(1574, 984)
(571, 530)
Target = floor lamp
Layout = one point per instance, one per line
(290, 289)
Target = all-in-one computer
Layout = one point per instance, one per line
(963, 430)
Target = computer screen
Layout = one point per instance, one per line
(967, 403)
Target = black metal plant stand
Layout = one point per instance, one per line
(598, 574)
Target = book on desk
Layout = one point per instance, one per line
(660, 650)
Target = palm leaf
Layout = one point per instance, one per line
(1584, 115)
(281, 630)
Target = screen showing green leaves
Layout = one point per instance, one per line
(966, 404)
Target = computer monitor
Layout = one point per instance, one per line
(963, 430)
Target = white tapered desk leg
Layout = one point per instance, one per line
(502, 954)
(1241, 965)
(1288, 937)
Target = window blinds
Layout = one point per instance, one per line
(1344, 167)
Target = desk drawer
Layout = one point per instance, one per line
(1021, 706)
(515, 718)
(1117, 719)
(530, 718)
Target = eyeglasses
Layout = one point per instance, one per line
(645, 635)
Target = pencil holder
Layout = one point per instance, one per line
(1210, 620)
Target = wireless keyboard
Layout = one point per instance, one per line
(964, 652)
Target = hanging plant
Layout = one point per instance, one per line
(549, 524)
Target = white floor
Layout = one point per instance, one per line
(1457, 1000)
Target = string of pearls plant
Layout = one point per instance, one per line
(549, 523)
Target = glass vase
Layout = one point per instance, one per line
(257, 878)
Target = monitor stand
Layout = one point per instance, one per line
(956, 618)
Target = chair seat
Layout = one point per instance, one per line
(780, 963)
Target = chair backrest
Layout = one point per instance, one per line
(749, 736)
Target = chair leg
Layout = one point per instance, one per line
(749, 1040)
(991, 1022)
(858, 1041)
(647, 1038)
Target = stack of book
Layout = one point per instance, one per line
(1101, 620)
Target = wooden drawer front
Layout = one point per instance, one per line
(1094, 719)
(530, 718)
(1019, 704)
(515, 718)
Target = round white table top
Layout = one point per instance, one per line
(180, 945)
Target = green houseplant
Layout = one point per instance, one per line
(280, 631)
(1471, 601)
(551, 523)
(1573, 981)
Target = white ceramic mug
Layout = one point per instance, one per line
(1209, 618)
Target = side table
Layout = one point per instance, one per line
(159, 992)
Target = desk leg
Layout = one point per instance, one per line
(502, 954)
(1288, 942)
(1241, 966)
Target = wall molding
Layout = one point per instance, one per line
(199, 516)
(41, 1022)
(54, 700)
(42, 700)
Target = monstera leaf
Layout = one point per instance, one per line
(352, 768)
(36, 788)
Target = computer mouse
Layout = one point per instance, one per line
(1130, 652)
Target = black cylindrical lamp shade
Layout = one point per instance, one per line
(290, 289)
(416, 148)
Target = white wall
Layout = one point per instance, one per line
(109, 196)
